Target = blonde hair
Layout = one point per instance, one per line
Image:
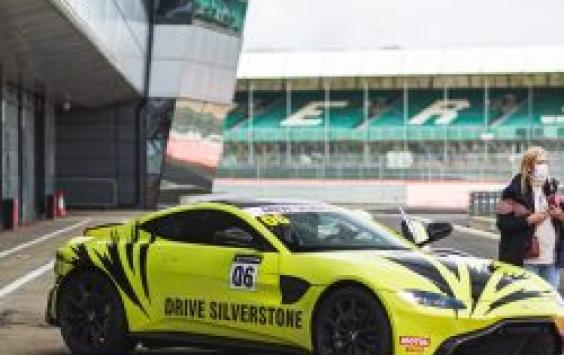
(528, 163)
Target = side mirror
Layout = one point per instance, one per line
(415, 232)
(421, 235)
(235, 237)
(438, 230)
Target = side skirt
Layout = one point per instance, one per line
(180, 339)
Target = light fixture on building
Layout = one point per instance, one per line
(67, 105)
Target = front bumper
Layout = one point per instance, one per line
(509, 337)
(433, 331)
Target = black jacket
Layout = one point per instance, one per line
(516, 233)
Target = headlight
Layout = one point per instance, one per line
(432, 299)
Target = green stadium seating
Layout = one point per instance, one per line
(420, 99)
(238, 114)
(474, 115)
(508, 107)
(428, 118)
(552, 104)
(349, 116)
(392, 113)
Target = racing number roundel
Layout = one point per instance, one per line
(243, 276)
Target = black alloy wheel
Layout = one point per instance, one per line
(351, 321)
(91, 316)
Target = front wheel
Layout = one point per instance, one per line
(91, 316)
(351, 321)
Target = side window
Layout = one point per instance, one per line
(180, 227)
(207, 227)
(228, 230)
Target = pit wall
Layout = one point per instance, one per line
(411, 194)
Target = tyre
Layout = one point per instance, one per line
(351, 321)
(91, 316)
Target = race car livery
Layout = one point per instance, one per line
(291, 276)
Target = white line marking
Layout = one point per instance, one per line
(15, 249)
(26, 279)
(459, 228)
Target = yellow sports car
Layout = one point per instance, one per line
(292, 276)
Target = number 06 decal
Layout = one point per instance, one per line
(243, 276)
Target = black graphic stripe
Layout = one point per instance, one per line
(101, 226)
(480, 277)
(114, 266)
(507, 280)
(478, 283)
(143, 252)
(81, 257)
(514, 297)
(129, 254)
(427, 270)
(135, 232)
(452, 267)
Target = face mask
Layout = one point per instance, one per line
(541, 172)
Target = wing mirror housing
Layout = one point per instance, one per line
(438, 230)
(420, 234)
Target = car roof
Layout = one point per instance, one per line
(228, 200)
(245, 202)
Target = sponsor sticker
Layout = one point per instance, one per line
(273, 220)
(222, 311)
(414, 344)
(287, 209)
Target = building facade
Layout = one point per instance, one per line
(89, 91)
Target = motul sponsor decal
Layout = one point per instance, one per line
(414, 344)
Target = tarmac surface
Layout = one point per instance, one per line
(26, 275)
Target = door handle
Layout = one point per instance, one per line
(247, 259)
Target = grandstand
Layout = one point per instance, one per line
(354, 120)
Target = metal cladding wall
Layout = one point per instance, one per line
(98, 156)
(195, 53)
(93, 56)
(194, 62)
(28, 160)
(49, 149)
(10, 144)
(117, 28)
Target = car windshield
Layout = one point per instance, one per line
(305, 228)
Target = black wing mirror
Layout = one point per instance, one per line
(438, 231)
(415, 232)
(421, 235)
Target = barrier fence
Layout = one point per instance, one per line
(483, 203)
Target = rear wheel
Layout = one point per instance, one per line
(91, 316)
(351, 321)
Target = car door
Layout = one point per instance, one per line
(213, 270)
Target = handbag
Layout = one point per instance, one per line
(533, 249)
(508, 206)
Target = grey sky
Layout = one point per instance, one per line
(318, 24)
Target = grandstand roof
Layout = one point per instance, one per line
(401, 62)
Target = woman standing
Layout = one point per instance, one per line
(529, 220)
